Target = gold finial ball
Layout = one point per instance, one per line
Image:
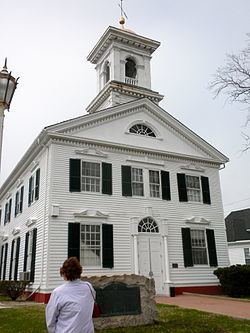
(122, 20)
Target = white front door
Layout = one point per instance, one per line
(150, 259)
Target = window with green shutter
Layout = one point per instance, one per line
(193, 188)
(34, 187)
(88, 176)
(92, 244)
(199, 247)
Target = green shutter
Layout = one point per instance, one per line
(11, 258)
(26, 251)
(182, 189)
(6, 213)
(33, 256)
(37, 186)
(17, 258)
(21, 200)
(211, 248)
(1, 261)
(107, 246)
(16, 201)
(74, 240)
(30, 188)
(5, 261)
(165, 185)
(126, 181)
(187, 247)
(205, 190)
(74, 175)
(9, 210)
(106, 178)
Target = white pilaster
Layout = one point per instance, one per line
(136, 255)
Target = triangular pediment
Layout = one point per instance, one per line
(111, 126)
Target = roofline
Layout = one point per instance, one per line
(178, 125)
(101, 44)
(37, 145)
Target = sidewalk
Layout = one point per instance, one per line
(215, 304)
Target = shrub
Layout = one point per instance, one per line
(234, 280)
(13, 289)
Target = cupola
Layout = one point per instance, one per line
(122, 60)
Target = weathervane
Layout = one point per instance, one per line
(122, 19)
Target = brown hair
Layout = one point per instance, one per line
(71, 269)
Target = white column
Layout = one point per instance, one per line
(2, 108)
(136, 255)
(167, 277)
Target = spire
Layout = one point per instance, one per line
(122, 18)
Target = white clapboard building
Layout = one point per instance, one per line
(126, 188)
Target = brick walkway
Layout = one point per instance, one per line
(214, 304)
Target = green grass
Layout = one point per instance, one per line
(171, 319)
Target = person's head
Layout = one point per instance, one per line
(71, 269)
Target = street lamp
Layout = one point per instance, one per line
(7, 88)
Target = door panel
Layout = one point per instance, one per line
(150, 259)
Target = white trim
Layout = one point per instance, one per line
(91, 152)
(198, 220)
(31, 221)
(192, 167)
(33, 166)
(16, 231)
(91, 213)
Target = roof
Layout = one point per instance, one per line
(66, 130)
(122, 36)
(238, 225)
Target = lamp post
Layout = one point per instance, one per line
(7, 88)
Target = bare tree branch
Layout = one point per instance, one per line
(233, 81)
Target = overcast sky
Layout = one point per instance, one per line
(47, 41)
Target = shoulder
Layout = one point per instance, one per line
(59, 289)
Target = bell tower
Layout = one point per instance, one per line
(122, 60)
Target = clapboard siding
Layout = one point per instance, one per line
(52, 232)
(122, 209)
(39, 211)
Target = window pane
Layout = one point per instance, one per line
(199, 250)
(91, 177)
(193, 188)
(154, 184)
(137, 182)
(90, 248)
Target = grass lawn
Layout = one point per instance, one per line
(171, 319)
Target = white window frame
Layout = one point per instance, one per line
(91, 239)
(154, 184)
(192, 190)
(33, 188)
(135, 180)
(87, 186)
(8, 216)
(197, 248)
(13, 259)
(29, 251)
(18, 203)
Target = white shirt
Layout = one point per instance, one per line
(70, 308)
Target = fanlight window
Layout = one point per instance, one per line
(148, 225)
(142, 129)
(130, 68)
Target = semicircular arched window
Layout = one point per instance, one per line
(148, 225)
(142, 129)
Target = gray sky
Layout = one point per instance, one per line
(47, 41)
